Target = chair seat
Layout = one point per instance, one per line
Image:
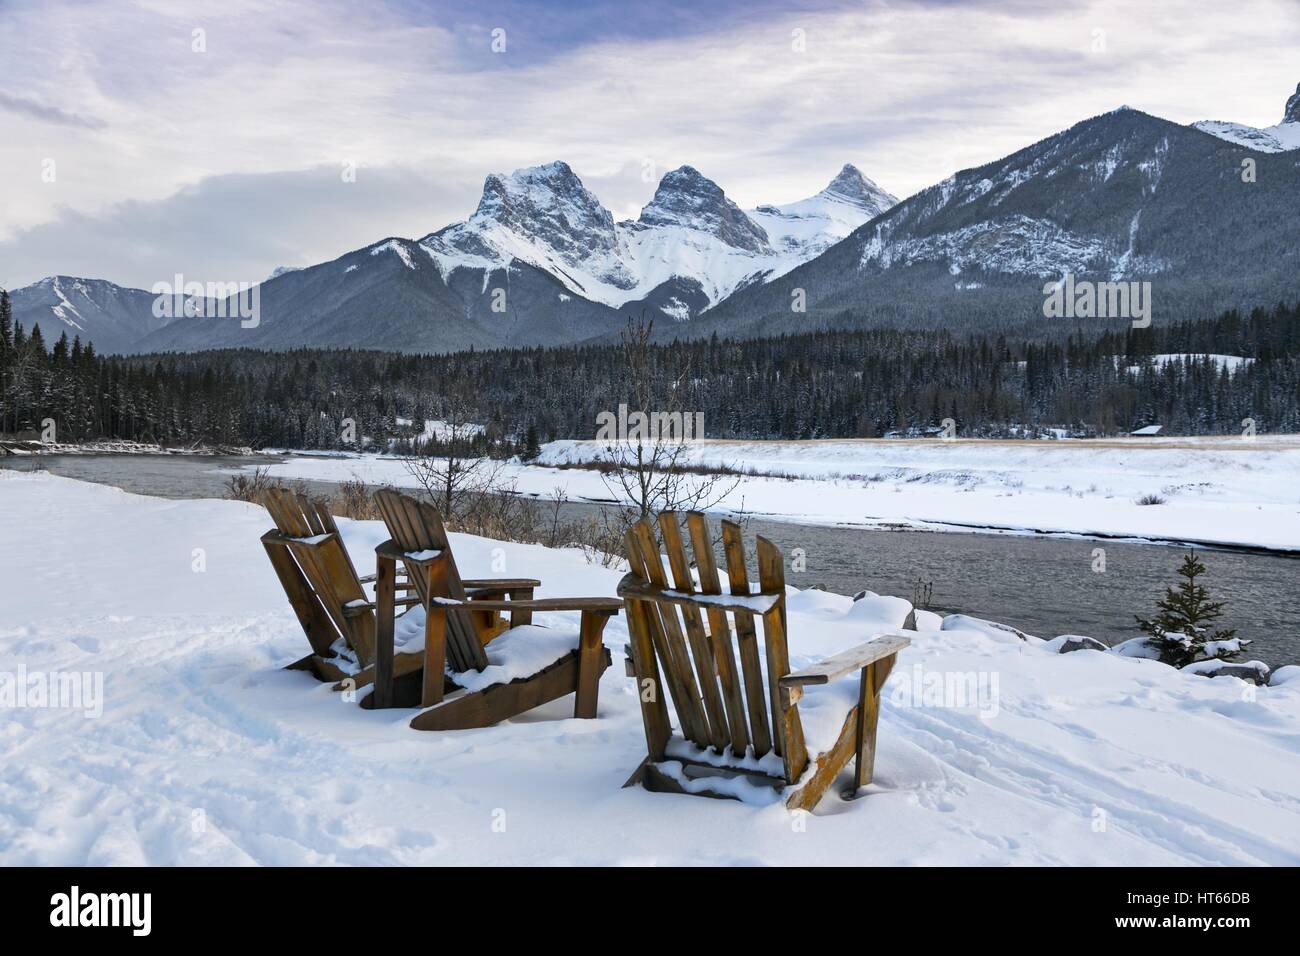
(518, 653)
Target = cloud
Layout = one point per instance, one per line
(50, 114)
(769, 99)
(237, 228)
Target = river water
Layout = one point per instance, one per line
(1043, 585)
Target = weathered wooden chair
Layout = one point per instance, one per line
(325, 591)
(462, 623)
(730, 742)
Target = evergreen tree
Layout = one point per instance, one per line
(532, 448)
(6, 324)
(1181, 630)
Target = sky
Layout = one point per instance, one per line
(143, 139)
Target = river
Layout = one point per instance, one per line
(1043, 585)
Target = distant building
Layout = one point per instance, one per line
(1148, 430)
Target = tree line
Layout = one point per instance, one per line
(832, 384)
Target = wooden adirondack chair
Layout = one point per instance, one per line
(722, 708)
(462, 621)
(325, 592)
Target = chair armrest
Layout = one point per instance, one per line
(421, 559)
(372, 578)
(314, 541)
(823, 672)
(599, 605)
(760, 603)
(500, 585)
(357, 608)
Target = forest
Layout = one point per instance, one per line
(816, 385)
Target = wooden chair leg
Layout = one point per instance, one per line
(874, 676)
(435, 653)
(520, 618)
(868, 716)
(385, 614)
(590, 657)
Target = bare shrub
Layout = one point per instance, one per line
(355, 499)
(1150, 500)
(253, 485)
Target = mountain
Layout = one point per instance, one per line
(539, 262)
(1283, 137)
(807, 228)
(1121, 197)
(689, 249)
(96, 310)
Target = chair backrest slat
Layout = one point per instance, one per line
(719, 632)
(706, 671)
(756, 694)
(788, 732)
(666, 632)
(417, 526)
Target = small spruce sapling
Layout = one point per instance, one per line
(1180, 631)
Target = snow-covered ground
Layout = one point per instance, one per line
(206, 752)
(1229, 491)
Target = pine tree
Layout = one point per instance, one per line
(532, 449)
(6, 323)
(1180, 630)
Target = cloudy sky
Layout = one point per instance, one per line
(140, 139)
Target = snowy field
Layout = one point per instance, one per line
(1227, 491)
(206, 752)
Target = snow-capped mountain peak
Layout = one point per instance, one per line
(549, 202)
(1282, 138)
(1292, 113)
(690, 247)
(546, 217)
(808, 227)
(849, 185)
(691, 200)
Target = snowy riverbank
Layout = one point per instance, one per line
(1221, 491)
(207, 752)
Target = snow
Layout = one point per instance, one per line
(520, 652)
(208, 753)
(1281, 138)
(436, 428)
(398, 247)
(315, 538)
(1223, 491)
(545, 217)
(1214, 667)
(1233, 363)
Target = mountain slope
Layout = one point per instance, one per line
(1124, 196)
(807, 228)
(1283, 137)
(540, 262)
(96, 310)
(392, 295)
